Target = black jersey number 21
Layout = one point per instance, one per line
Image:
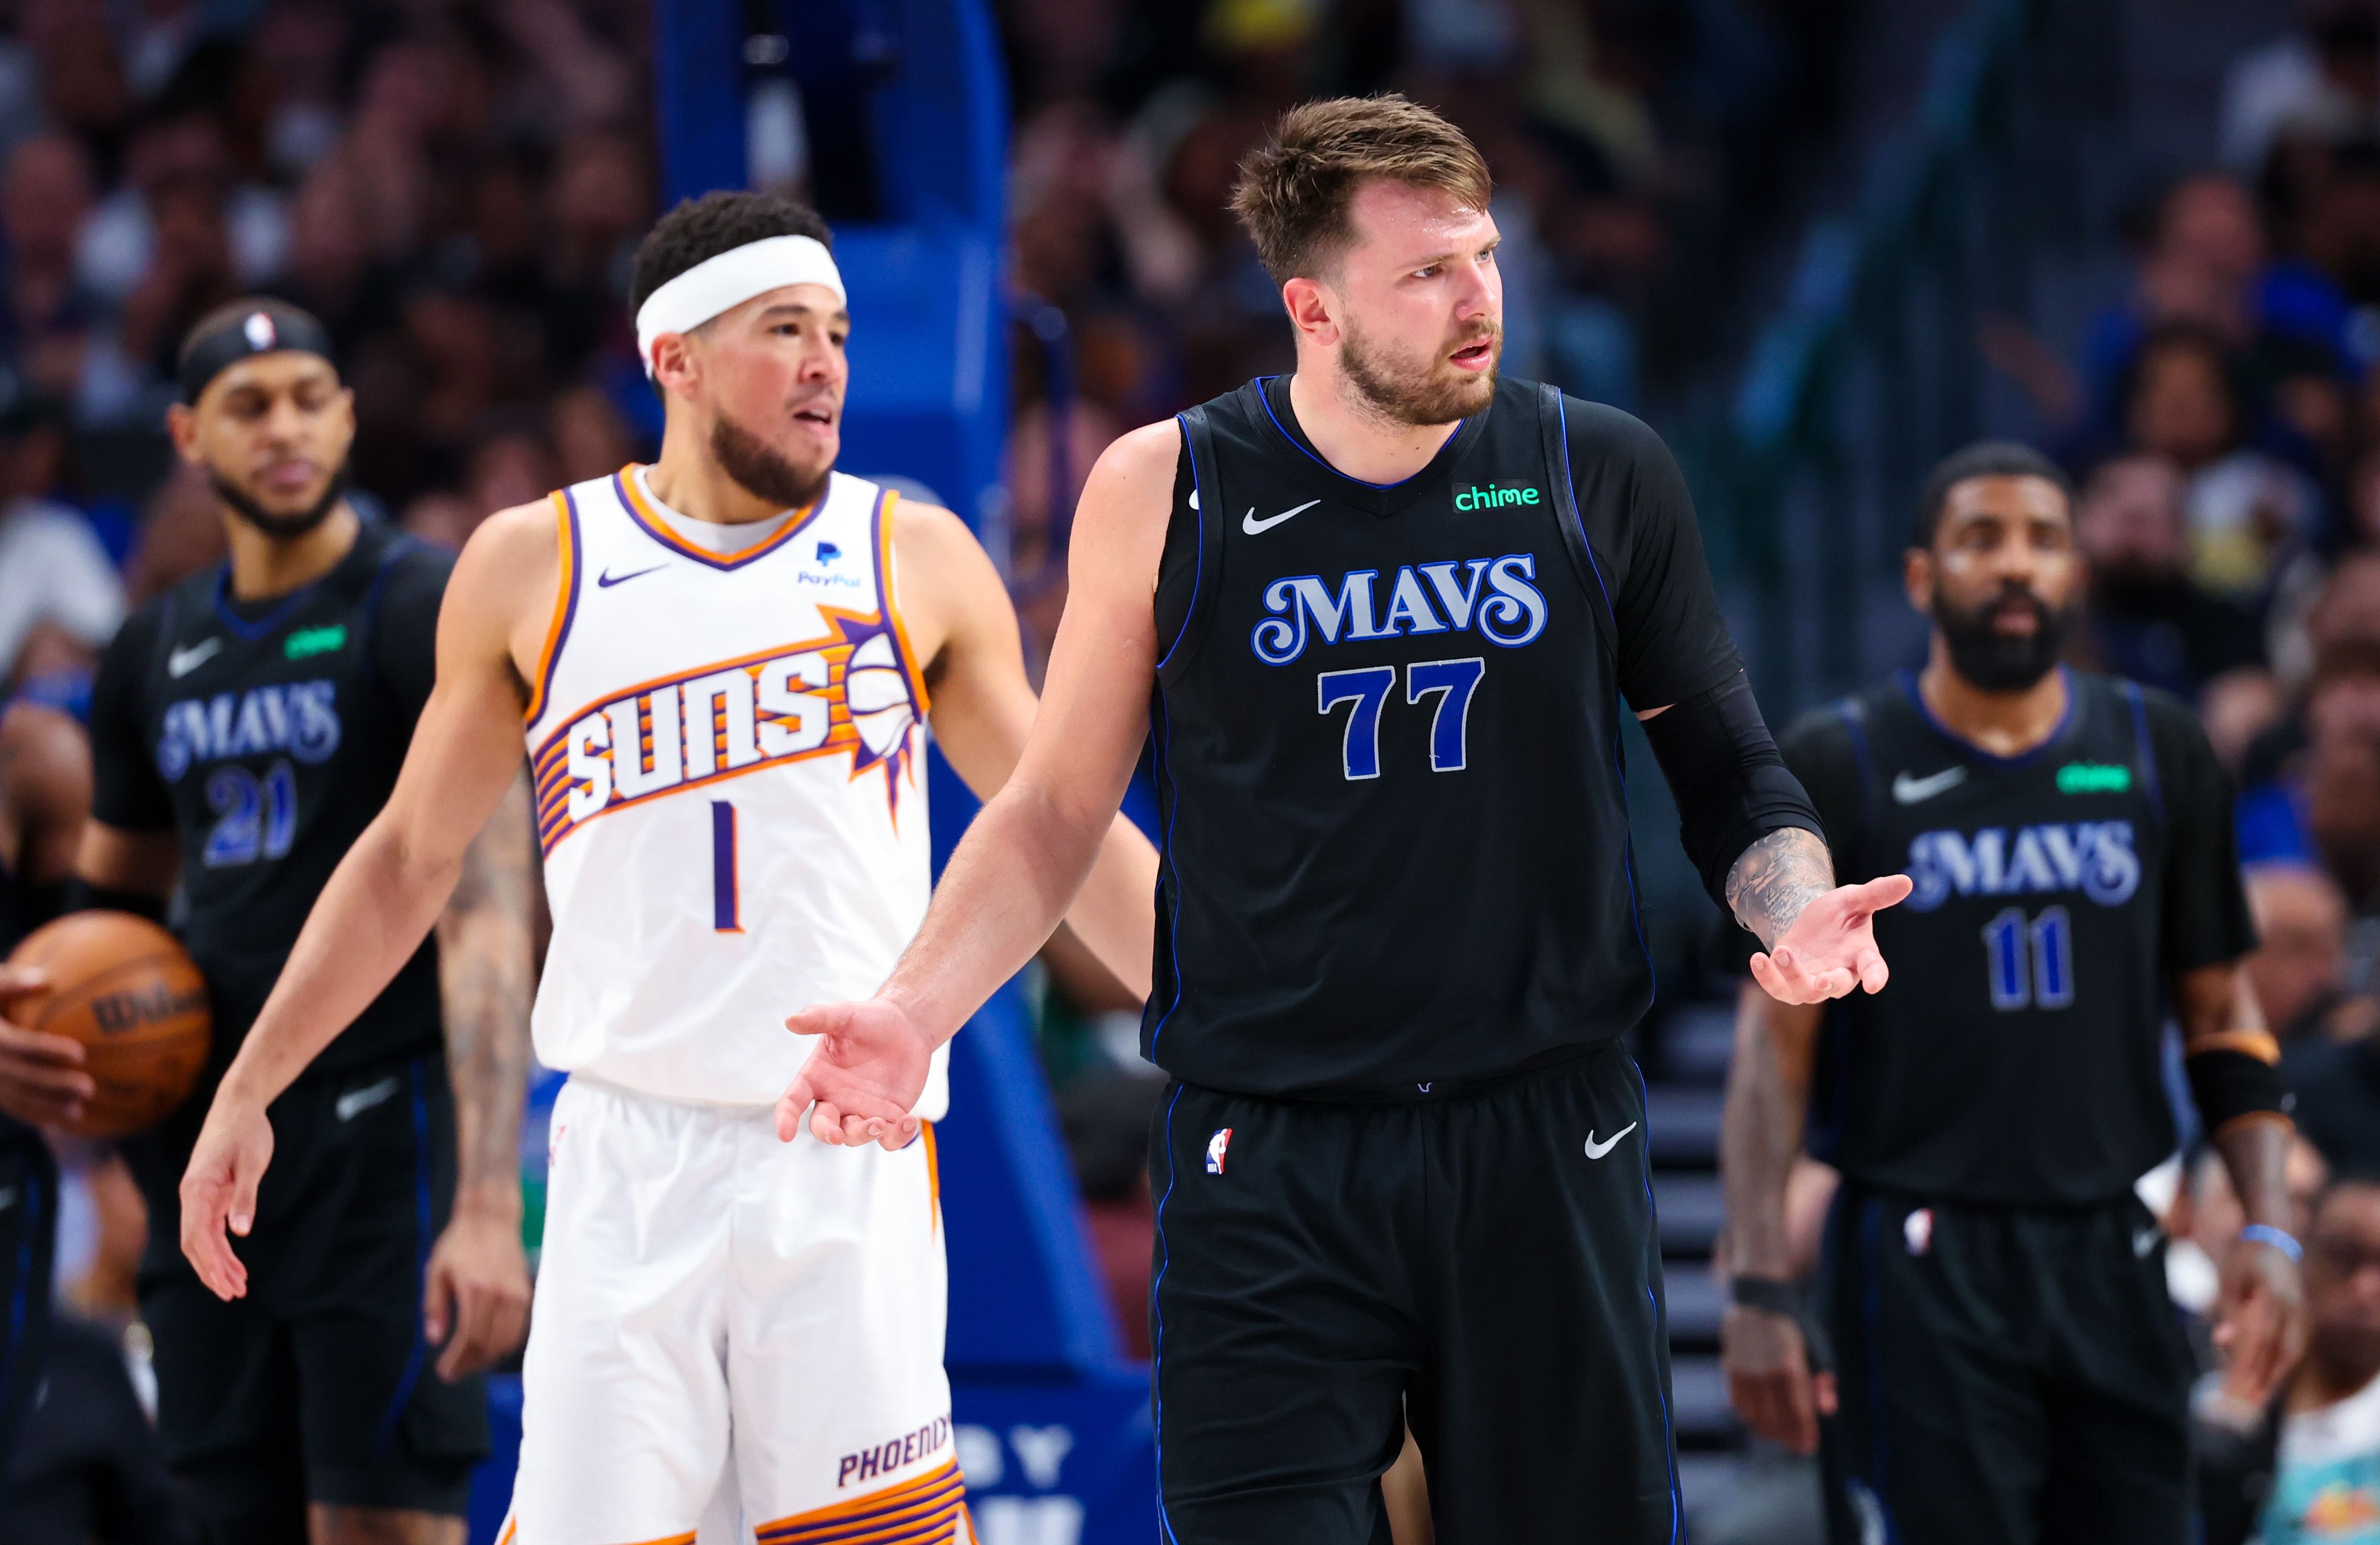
(1452, 682)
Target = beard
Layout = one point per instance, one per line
(1422, 395)
(1996, 661)
(281, 527)
(762, 470)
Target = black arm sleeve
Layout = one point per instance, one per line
(405, 645)
(1731, 786)
(2207, 921)
(126, 791)
(1817, 751)
(1639, 522)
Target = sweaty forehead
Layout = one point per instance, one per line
(1404, 217)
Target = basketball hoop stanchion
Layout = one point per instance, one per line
(1052, 1417)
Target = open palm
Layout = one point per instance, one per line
(863, 1078)
(1831, 948)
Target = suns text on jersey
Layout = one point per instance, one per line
(852, 691)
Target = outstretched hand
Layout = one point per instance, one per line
(1830, 948)
(863, 1078)
(219, 1191)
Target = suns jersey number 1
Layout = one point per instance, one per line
(726, 752)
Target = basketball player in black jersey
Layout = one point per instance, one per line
(44, 795)
(1380, 618)
(2010, 1366)
(246, 726)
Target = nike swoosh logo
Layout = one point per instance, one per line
(607, 579)
(355, 1102)
(181, 662)
(1255, 528)
(1917, 790)
(1597, 1149)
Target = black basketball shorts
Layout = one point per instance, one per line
(317, 1385)
(1484, 1267)
(2008, 1376)
(29, 1230)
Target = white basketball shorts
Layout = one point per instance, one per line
(733, 1336)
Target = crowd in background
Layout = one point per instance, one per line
(456, 186)
(455, 189)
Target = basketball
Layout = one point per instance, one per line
(125, 989)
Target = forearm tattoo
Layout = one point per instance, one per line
(484, 979)
(1778, 876)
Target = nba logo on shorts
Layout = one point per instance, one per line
(1917, 1231)
(1215, 1146)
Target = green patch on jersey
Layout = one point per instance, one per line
(330, 640)
(2093, 777)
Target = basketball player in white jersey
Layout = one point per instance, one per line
(724, 661)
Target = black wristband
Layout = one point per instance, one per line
(1767, 1294)
(1770, 1296)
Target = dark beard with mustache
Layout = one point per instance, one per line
(1995, 661)
(762, 470)
(1418, 398)
(281, 529)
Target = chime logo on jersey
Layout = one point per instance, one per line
(1216, 1147)
(847, 692)
(1492, 596)
(2094, 857)
(299, 717)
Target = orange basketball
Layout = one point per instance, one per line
(128, 991)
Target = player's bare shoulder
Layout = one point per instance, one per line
(1127, 502)
(506, 588)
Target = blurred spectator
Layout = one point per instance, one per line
(2245, 512)
(2322, 80)
(2309, 1469)
(2205, 252)
(2238, 709)
(2337, 1084)
(2299, 971)
(45, 194)
(2149, 621)
(55, 579)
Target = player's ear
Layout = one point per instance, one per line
(182, 425)
(673, 366)
(1310, 309)
(1917, 579)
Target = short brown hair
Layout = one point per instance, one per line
(1293, 190)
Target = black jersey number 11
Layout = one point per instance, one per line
(2032, 964)
(1453, 681)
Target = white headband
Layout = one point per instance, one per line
(721, 283)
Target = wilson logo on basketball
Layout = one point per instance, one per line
(118, 1012)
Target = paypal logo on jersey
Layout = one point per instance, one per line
(1493, 597)
(2094, 857)
(299, 717)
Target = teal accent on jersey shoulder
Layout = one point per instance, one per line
(2093, 777)
(305, 642)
